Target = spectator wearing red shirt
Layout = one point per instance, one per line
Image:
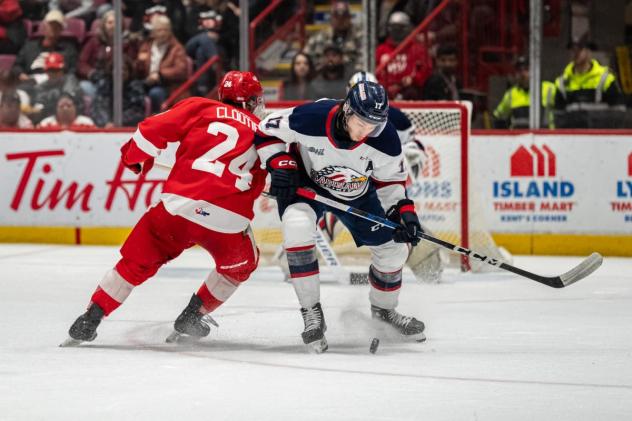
(405, 74)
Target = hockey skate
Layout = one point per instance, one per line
(191, 325)
(408, 327)
(315, 328)
(84, 329)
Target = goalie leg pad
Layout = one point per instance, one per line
(299, 228)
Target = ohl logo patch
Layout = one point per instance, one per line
(533, 162)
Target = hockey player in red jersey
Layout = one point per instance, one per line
(207, 200)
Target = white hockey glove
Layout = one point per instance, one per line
(415, 154)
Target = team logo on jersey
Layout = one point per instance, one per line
(340, 179)
(201, 211)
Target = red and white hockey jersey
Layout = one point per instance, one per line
(217, 174)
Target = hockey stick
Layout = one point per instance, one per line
(582, 270)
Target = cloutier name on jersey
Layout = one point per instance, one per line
(237, 115)
(345, 169)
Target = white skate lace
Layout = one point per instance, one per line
(399, 319)
(312, 319)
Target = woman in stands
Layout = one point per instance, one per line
(302, 72)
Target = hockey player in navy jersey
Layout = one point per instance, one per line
(425, 260)
(347, 151)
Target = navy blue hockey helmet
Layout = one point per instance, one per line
(368, 101)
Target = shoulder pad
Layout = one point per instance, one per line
(386, 142)
(398, 119)
(311, 119)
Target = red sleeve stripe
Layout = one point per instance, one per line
(379, 184)
(407, 208)
(145, 145)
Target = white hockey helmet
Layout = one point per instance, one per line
(361, 77)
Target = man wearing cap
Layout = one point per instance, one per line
(405, 73)
(202, 46)
(587, 93)
(342, 33)
(334, 74)
(47, 93)
(513, 110)
(29, 62)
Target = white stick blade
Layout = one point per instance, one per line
(585, 268)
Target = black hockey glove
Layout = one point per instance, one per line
(404, 213)
(284, 175)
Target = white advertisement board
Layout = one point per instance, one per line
(526, 183)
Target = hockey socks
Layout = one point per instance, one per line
(304, 273)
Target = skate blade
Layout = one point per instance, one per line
(179, 338)
(418, 337)
(318, 347)
(70, 342)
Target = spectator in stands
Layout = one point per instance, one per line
(228, 41)
(10, 115)
(12, 31)
(334, 74)
(9, 82)
(415, 9)
(95, 59)
(30, 60)
(161, 62)
(79, 9)
(299, 85)
(587, 93)
(66, 115)
(46, 94)
(443, 85)
(405, 74)
(133, 98)
(142, 13)
(341, 33)
(203, 46)
(513, 110)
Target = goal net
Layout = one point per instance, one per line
(442, 191)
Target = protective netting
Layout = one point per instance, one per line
(440, 189)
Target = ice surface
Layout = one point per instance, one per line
(499, 347)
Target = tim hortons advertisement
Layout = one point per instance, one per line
(71, 179)
(555, 183)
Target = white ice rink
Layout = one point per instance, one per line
(499, 347)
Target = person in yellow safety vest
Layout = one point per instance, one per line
(587, 93)
(513, 110)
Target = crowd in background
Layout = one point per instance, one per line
(62, 57)
(62, 73)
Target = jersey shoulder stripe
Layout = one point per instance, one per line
(311, 119)
(387, 142)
